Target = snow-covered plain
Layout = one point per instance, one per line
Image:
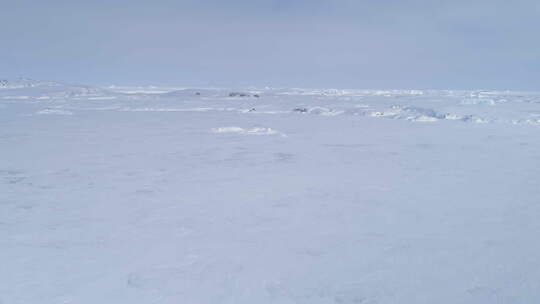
(149, 195)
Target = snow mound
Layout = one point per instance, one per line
(194, 93)
(478, 101)
(150, 109)
(417, 114)
(319, 111)
(54, 112)
(248, 131)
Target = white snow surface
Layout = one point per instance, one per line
(148, 195)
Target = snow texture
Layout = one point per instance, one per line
(174, 195)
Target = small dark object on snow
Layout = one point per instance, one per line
(300, 110)
(240, 94)
(252, 110)
(256, 95)
(198, 94)
(235, 94)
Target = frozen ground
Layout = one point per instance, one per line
(149, 195)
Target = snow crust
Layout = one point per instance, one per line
(175, 195)
(250, 131)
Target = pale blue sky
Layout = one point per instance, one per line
(295, 43)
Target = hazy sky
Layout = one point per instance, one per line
(286, 43)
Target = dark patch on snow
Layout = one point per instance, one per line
(300, 110)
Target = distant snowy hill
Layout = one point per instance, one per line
(470, 106)
(213, 93)
(25, 88)
(19, 83)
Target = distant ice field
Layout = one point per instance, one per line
(164, 195)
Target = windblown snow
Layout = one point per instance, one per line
(175, 195)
